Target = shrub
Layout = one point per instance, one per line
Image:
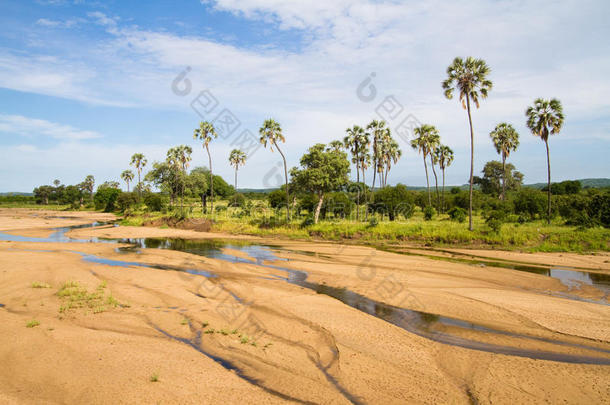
(339, 204)
(458, 214)
(154, 202)
(429, 213)
(126, 200)
(105, 198)
(495, 219)
(599, 209)
(238, 200)
(393, 201)
(307, 222)
(373, 222)
(530, 202)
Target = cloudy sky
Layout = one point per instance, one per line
(85, 84)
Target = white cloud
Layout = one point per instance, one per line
(32, 127)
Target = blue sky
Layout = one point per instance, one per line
(85, 84)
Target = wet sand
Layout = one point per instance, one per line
(308, 347)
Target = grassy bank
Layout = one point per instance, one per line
(535, 236)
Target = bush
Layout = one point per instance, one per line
(126, 200)
(599, 209)
(277, 199)
(238, 200)
(105, 198)
(393, 201)
(154, 202)
(307, 222)
(495, 219)
(429, 213)
(458, 214)
(530, 202)
(373, 222)
(339, 204)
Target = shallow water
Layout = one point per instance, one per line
(427, 325)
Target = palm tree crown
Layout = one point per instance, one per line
(237, 158)
(206, 132)
(271, 132)
(469, 77)
(505, 139)
(545, 117)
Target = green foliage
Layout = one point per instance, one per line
(373, 222)
(126, 200)
(564, 187)
(599, 209)
(339, 204)
(394, 202)
(154, 202)
(308, 221)
(495, 219)
(33, 323)
(529, 202)
(105, 198)
(277, 198)
(458, 214)
(429, 213)
(238, 200)
(491, 182)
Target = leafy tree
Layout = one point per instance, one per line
(545, 118)
(469, 77)
(529, 202)
(109, 184)
(277, 198)
(127, 177)
(497, 177)
(506, 140)
(139, 162)
(198, 184)
(237, 158)
(126, 200)
(206, 132)
(71, 195)
(56, 182)
(154, 202)
(89, 184)
(178, 158)
(394, 201)
(42, 194)
(427, 139)
(323, 170)
(336, 145)
(443, 155)
(166, 177)
(565, 187)
(271, 133)
(105, 198)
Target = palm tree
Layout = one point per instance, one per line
(434, 140)
(392, 154)
(237, 158)
(506, 140)
(127, 177)
(427, 137)
(271, 133)
(180, 157)
(336, 146)
(470, 78)
(377, 130)
(56, 182)
(545, 118)
(352, 142)
(444, 157)
(139, 162)
(206, 132)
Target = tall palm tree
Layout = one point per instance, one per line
(545, 118)
(377, 130)
(237, 158)
(469, 77)
(434, 140)
(271, 133)
(180, 157)
(427, 135)
(127, 177)
(352, 142)
(364, 155)
(391, 155)
(205, 133)
(139, 162)
(444, 157)
(506, 140)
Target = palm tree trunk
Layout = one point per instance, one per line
(128, 187)
(438, 201)
(358, 189)
(427, 182)
(548, 163)
(139, 185)
(318, 207)
(502, 197)
(471, 164)
(286, 179)
(366, 197)
(443, 205)
(211, 180)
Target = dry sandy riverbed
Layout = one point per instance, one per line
(307, 347)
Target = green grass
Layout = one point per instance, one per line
(75, 296)
(154, 377)
(33, 323)
(37, 284)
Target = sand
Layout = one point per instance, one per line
(308, 347)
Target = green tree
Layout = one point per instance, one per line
(127, 177)
(469, 77)
(545, 118)
(506, 140)
(271, 133)
(237, 158)
(394, 201)
(89, 184)
(427, 139)
(139, 162)
(179, 158)
(499, 177)
(377, 130)
(443, 155)
(323, 170)
(198, 184)
(206, 132)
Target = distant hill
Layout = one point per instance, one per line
(16, 193)
(586, 183)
